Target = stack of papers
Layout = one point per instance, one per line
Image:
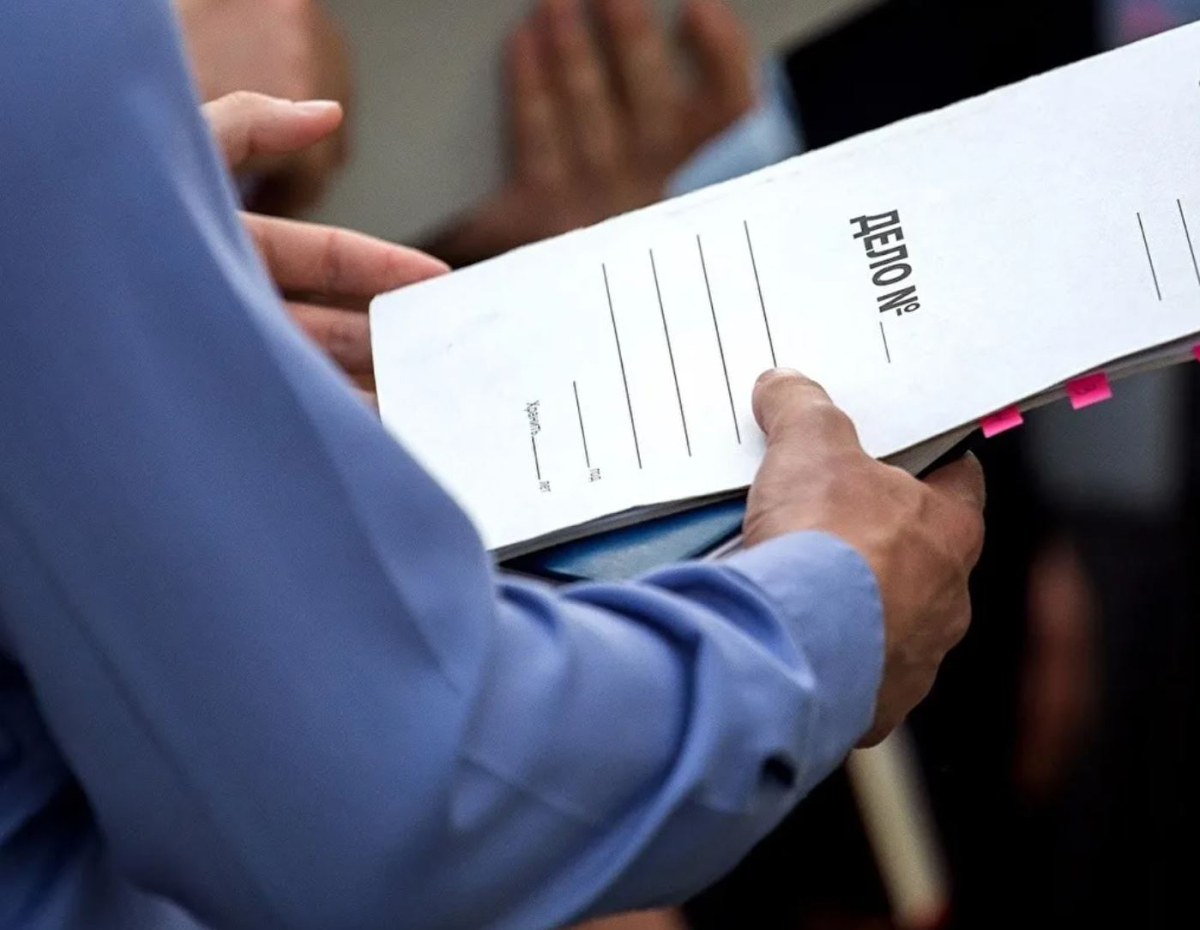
(929, 275)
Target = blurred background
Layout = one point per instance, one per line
(403, 132)
(1055, 751)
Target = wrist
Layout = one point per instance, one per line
(829, 597)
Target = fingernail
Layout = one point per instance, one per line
(317, 107)
(778, 373)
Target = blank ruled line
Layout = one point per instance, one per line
(761, 300)
(587, 456)
(537, 462)
(687, 437)
(720, 343)
(1187, 232)
(637, 446)
(886, 348)
(1149, 257)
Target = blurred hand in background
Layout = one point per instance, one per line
(327, 276)
(1060, 680)
(604, 106)
(290, 49)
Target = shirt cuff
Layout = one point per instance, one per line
(765, 136)
(829, 598)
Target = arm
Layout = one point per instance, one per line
(269, 647)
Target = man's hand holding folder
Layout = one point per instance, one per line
(921, 539)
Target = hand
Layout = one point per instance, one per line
(600, 119)
(286, 48)
(328, 276)
(921, 539)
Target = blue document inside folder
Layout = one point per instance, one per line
(627, 553)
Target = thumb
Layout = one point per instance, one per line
(252, 128)
(790, 407)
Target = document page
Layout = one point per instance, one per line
(927, 274)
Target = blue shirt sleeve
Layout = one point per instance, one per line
(770, 133)
(270, 648)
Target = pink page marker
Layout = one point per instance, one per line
(1089, 390)
(1002, 422)
(1196, 352)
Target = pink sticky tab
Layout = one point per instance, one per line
(1196, 352)
(1002, 422)
(1089, 390)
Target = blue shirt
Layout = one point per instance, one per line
(256, 670)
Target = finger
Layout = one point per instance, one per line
(718, 45)
(897, 703)
(324, 260)
(336, 82)
(300, 181)
(645, 73)
(344, 335)
(586, 94)
(787, 404)
(963, 483)
(251, 128)
(879, 733)
(962, 480)
(537, 138)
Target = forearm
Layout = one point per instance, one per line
(335, 730)
(679, 718)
